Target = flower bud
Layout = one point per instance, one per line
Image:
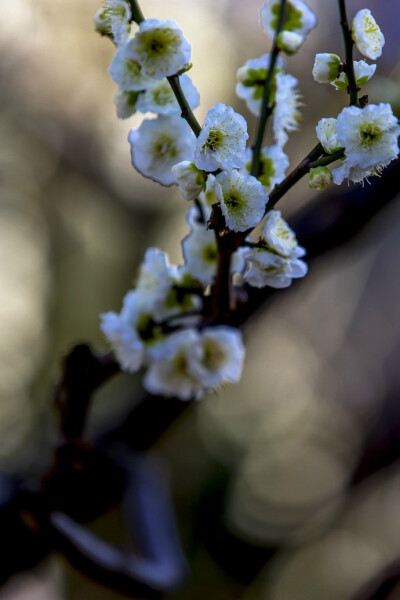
(326, 67)
(190, 179)
(319, 178)
(289, 41)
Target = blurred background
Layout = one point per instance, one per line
(264, 468)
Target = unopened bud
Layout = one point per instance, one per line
(320, 178)
(326, 67)
(289, 41)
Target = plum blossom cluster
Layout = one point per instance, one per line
(157, 328)
(367, 135)
(175, 322)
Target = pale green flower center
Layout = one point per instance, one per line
(215, 139)
(214, 356)
(267, 170)
(210, 253)
(180, 364)
(164, 146)
(162, 94)
(144, 327)
(159, 42)
(233, 200)
(370, 133)
(176, 299)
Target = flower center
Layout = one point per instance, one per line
(266, 171)
(370, 133)
(214, 139)
(233, 200)
(214, 356)
(163, 147)
(210, 253)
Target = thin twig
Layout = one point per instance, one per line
(348, 46)
(266, 101)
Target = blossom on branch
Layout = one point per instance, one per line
(327, 135)
(125, 102)
(160, 99)
(113, 20)
(242, 199)
(286, 114)
(369, 137)
(251, 78)
(190, 179)
(189, 362)
(159, 144)
(326, 67)
(273, 165)
(273, 270)
(222, 140)
(160, 48)
(127, 72)
(362, 72)
(279, 236)
(299, 18)
(366, 34)
(200, 251)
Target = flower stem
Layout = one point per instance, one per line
(187, 112)
(348, 46)
(173, 80)
(266, 109)
(311, 161)
(137, 14)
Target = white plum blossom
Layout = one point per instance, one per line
(369, 135)
(327, 135)
(158, 144)
(362, 72)
(200, 252)
(169, 373)
(320, 178)
(128, 73)
(160, 48)
(157, 284)
(251, 79)
(114, 20)
(123, 331)
(299, 18)
(366, 34)
(353, 173)
(159, 97)
(286, 112)
(155, 277)
(326, 67)
(190, 179)
(222, 356)
(279, 236)
(270, 269)
(242, 199)
(189, 362)
(289, 42)
(222, 140)
(125, 103)
(273, 165)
